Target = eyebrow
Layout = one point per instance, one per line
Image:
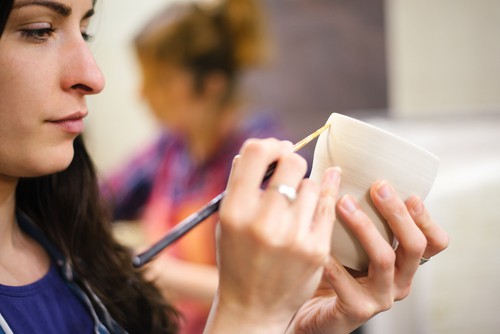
(58, 7)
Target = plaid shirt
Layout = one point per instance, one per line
(162, 185)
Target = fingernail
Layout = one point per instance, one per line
(334, 175)
(348, 204)
(288, 145)
(384, 191)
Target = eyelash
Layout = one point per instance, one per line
(87, 37)
(40, 35)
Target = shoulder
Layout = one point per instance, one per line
(263, 124)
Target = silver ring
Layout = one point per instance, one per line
(289, 192)
(424, 260)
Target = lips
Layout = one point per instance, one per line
(71, 123)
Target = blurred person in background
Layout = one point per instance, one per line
(191, 57)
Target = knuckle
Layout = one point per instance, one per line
(443, 242)
(402, 293)
(385, 305)
(393, 209)
(313, 254)
(297, 245)
(325, 214)
(385, 259)
(417, 245)
(257, 235)
(377, 306)
(319, 254)
(397, 210)
(252, 147)
(295, 162)
(424, 221)
(255, 147)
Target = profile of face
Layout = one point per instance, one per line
(169, 91)
(173, 96)
(46, 71)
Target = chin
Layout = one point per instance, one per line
(52, 161)
(59, 167)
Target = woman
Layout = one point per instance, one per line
(41, 114)
(60, 270)
(191, 57)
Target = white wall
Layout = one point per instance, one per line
(457, 291)
(118, 121)
(444, 55)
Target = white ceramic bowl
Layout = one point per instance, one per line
(366, 154)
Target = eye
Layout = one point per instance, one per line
(37, 32)
(38, 35)
(87, 37)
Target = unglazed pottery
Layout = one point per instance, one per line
(366, 154)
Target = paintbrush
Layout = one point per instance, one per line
(194, 219)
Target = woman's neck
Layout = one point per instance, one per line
(7, 206)
(22, 260)
(206, 134)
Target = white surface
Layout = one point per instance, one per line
(119, 121)
(458, 291)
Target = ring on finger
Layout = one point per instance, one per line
(424, 260)
(287, 191)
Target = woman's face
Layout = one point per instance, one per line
(46, 70)
(171, 94)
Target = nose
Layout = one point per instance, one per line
(80, 72)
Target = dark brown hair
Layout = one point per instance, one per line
(67, 207)
(5, 8)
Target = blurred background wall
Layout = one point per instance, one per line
(408, 58)
(444, 56)
(427, 70)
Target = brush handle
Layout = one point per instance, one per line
(187, 225)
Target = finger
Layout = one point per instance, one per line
(289, 172)
(252, 163)
(279, 199)
(411, 240)
(437, 238)
(356, 296)
(324, 215)
(305, 205)
(345, 286)
(380, 253)
(234, 167)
